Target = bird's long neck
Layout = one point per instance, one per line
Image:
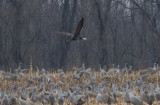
(51, 89)
(113, 66)
(20, 94)
(100, 66)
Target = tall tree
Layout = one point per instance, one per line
(16, 37)
(103, 17)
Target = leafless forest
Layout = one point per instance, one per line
(117, 31)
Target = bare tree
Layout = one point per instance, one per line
(118, 31)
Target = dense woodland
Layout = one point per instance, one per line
(117, 31)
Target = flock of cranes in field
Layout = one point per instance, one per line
(79, 86)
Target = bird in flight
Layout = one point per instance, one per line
(76, 35)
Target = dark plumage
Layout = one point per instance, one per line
(76, 35)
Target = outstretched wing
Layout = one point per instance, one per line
(65, 34)
(79, 27)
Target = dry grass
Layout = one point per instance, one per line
(67, 78)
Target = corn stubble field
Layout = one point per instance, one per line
(64, 81)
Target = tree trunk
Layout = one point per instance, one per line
(67, 21)
(16, 37)
(102, 41)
